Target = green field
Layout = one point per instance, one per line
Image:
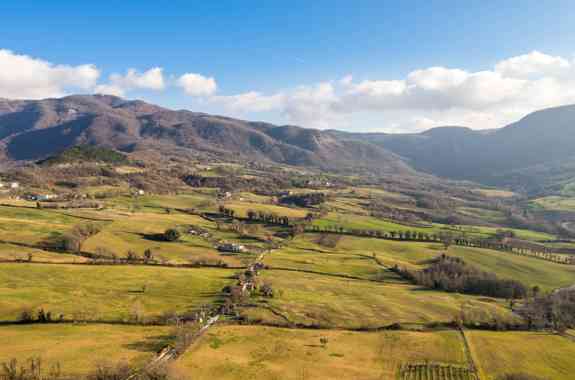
(329, 301)
(530, 271)
(556, 203)
(540, 354)
(137, 233)
(255, 352)
(80, 348)
(101, 292)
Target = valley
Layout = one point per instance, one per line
(218, 269)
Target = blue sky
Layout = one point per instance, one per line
(322, 64)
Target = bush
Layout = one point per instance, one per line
(171, 234)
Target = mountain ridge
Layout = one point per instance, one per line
(32, 130)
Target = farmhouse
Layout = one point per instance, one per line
(231, 247)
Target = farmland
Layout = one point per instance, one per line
(277, 353)
(233, 283)
(97, 292)
(78, 349)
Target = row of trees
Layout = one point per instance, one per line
(452, 274)
(304, 200)
(447, 238)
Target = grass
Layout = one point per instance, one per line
(80, 348)
(485, 214)
(13, 252)
(304, 254)
(255, 352)
(556, 203)
(31, 225)
(106, 292)
(530, 271)
(328, 301)
(389, 252)
(364, 222)
(352, 256)
(136, 232)
(158, 203)
(241, 209)
(540, 354)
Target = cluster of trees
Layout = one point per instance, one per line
(171, 234)
(555, 310)
(230, 213)
(304, 200)
(328, 240)
(68, 205)
(42, 316)
(268, 218)
(452, 274)
(378, 209)
(73, 240)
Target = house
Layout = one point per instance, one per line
(231, 247)
(40, 197)
(44, 197)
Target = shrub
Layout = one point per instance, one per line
(171, 234)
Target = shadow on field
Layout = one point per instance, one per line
(150, 237)
(151, 343)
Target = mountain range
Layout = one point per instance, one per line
(538, 149)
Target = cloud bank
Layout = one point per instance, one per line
(426, 97)
(422, 99)
(24, 77)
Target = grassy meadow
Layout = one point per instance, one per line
(528, 270)
(258, 352)
(329, 301)
(80, 348)
(100, 292)
(538, 353)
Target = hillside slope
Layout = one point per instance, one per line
(33, 130)
(534, 152)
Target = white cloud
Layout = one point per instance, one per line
(152, 79)
(24, 77)
(197, 85)
(532, 64)
(250, 102)
(306, 105)
(422, 98)
(427, 97)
